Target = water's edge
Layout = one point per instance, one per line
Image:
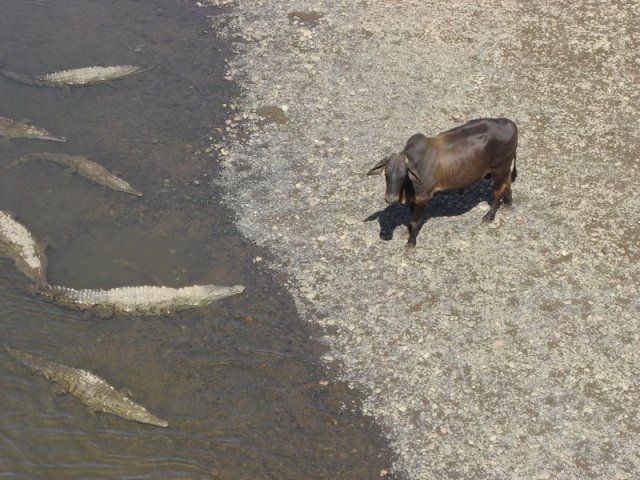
(241, 381)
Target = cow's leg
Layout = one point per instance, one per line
(500, 185)
(506, 196)
(507, 199)
(412, 207)
(416, 217)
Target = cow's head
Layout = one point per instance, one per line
(397, 169)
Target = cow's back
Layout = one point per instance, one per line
(485, 139)
(462, 155)
(500, 129)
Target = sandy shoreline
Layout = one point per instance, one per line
(508, 351)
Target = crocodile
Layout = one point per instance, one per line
(12, 129)
(87, 168)
(78, 77)
(95, 392)
(142, 300)
(17, 243)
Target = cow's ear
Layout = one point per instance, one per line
(413, 173)
(378, 167)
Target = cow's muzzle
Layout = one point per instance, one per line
(392, 199)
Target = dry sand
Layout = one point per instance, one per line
(501, 351)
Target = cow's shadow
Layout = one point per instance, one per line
(445, 204)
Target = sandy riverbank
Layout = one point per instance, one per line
(502, 351)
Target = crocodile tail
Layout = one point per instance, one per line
(33, 156)
(11, 351)
(144, 69)
(24, 357)
(3, 62)
(20, 161)
(22, 78)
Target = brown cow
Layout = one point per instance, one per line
(451, 160)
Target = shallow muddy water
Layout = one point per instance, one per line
(240, 381)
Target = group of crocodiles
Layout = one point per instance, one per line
(17, 243)
(78, 77)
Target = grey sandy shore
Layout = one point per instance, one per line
(501, 351)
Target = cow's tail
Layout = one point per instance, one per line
(514, 172)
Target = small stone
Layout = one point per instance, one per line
(310, 19)
(273, 113)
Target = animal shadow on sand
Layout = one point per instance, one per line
(444, 204)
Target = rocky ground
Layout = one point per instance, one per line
(501, 351)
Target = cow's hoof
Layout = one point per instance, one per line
(488, 217)
(410, 245)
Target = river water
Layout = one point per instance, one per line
(239, 381)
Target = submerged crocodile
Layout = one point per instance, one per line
(78, 77)
(96, 393)
(12, 129)
(144, 300)
(17, 243)
(89, 169)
